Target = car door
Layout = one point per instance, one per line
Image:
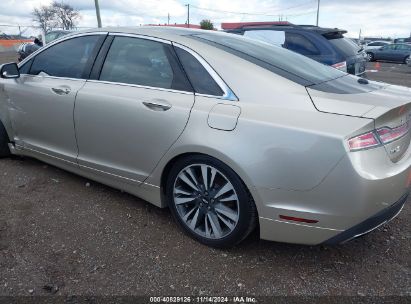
(403, 51)
(385, 53)
(41, 101)
(133, 111)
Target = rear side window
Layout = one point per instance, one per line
(299, 44)
(403, 47)
(143, 62)
(68, 58)
(200, 79)
(344, 46)
(377, 44)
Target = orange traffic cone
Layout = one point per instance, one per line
(377, 65)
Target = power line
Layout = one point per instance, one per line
(253, 14)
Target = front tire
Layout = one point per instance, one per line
(4, 142)
(406, 59)
(210, 202)
(370, 57)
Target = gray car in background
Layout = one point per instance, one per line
(228, 132)
(399, 52)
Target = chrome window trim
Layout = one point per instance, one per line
(228, 93)
(140, 36)
(138, 86)
(58, 40)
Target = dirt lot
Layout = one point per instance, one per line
(60, 235)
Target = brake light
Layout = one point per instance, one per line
(363, 141)
(388, 135)
(342, 66)
(378, 137)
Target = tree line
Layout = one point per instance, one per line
(56, 15)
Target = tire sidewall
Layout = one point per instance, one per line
(245, 207)
(4, 140)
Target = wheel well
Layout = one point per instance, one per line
(170, 164)
(5, 130)
(168, 167)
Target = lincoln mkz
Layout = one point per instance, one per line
(229, 133)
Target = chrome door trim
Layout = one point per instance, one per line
(54, 77)
(228, 93)
(58, 40)
(138, 86)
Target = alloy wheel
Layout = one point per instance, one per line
(206, 201)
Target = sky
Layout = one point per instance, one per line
(377, 18)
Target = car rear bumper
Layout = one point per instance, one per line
(355, 198)
(369, 224)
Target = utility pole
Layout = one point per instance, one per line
(98, 13)
(318, 11)
(188, 15)
(168, 18)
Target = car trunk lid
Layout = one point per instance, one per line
(389, 106)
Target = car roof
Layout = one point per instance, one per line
(167, 33)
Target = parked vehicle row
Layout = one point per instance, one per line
(399, 52)
(325, 45)
(230, 133)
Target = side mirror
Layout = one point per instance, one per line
(9, 71)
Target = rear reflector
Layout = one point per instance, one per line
(342, 66)
(297, 219)
(388, 135)
(363, 141)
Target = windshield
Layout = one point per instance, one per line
(283, 62)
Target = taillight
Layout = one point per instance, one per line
(342, 66)
(378, 137)
(388, 135)
(363, 141)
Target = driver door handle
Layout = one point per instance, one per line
(61, 91)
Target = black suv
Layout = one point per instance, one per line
(325, 45)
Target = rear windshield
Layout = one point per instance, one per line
(283, 62)
(345, 46)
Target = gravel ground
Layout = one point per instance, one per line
(61, 234)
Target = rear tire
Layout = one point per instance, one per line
(406, 59)
(4, 141)
(370, 57)
(210, 202)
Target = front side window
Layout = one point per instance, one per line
(143, 62)
(68, 58)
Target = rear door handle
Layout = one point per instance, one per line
(61, 91)
(157, 105)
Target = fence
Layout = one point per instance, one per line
(12, 36)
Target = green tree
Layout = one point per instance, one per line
(206, 24)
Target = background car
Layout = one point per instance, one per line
(325, 45)
(53, 35)
(375, 45)
(403, 40)
(25, 49)
(399, 52)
